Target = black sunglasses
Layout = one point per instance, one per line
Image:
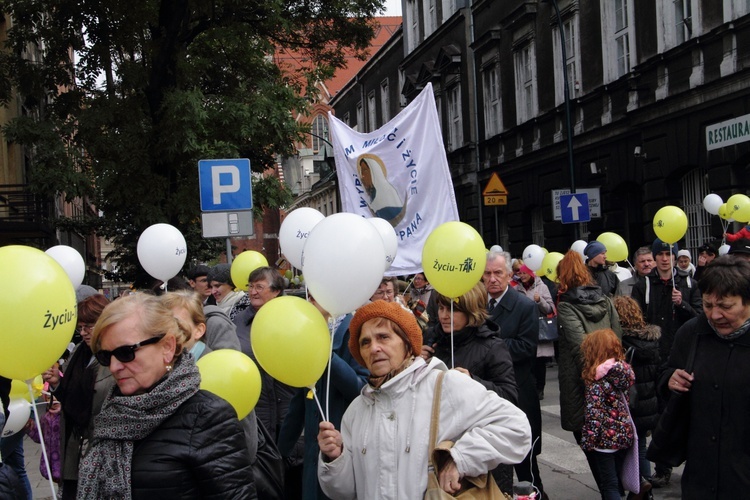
(124, 353)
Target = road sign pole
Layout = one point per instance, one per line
(229, 251)
(497, 228)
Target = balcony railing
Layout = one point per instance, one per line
(19, 205)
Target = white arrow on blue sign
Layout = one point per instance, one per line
(225, 185)
(574, 208)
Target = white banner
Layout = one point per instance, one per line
(399, 173)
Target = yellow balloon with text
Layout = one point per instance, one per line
(738, 207)
(617, 249)
(244, 264)
(724, 211)
(670, 224)
(453, 258)
(549, 265)
(291, 340)
(19, 389)
(38, 312)
(233, 376)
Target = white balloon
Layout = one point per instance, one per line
(533, 255)
(390, 240)
(294, 231)
(712, 202)
(496, 248)
(579, 246)
(343, 262)
(19, 414)
(723, 249)
(162, 251)
(71, 261)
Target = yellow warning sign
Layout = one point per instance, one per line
(494, 192)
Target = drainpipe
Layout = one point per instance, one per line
(475, 103)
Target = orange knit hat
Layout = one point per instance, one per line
(389, 310)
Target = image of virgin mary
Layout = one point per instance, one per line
(380, 195)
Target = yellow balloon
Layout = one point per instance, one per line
(724, 211)
(549, 265)
(233, 376)
(453, 258)
(670, 224)
(738, 207)
(291, 341)
(245, 263)
(19, 389)
(37, 313)
(617, 249)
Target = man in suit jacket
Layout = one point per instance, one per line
(518, 318)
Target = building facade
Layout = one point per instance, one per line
(658, 98)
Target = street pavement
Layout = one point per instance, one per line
(563, 467)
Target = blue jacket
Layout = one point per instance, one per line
(347, 380)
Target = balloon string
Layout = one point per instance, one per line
(320, 408)
(670, 256)
(330, 357)
(41, 440)
(632, 268)
(453, 361)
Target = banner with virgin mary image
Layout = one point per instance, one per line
(398, 173)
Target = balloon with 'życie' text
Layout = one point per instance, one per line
(453, 258)
(38, 312)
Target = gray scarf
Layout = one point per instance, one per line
(735, 334)
(105, 468)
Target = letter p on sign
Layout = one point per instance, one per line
(225, 185)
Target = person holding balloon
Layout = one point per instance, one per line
(223, 289)
(466, 341)
(81, 391)
(156, 421)
(346, 380)
(375, 457)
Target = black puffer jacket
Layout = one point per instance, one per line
(484, 355)
(199, 452)
(605, 278)
(645, 360)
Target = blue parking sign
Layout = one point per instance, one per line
(225, 185)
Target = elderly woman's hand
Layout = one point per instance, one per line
(329, 440)
(427, 352)
(449, 478)
(680, 381)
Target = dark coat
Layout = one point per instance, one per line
(518, 319)
(661, 311)
(605, 278)
(644, 359)
(198, 452)
(580, 311)
(483, 354)
(718, 455)
(347, 379)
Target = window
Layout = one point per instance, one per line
(537, 226)
(412, 22)
(735, 8)
(360, 127)
(455, 127)
(572, 59)
(492, 110)
(678, 22)
(694, 189)
(385, 101)
(617, 37)
(372, 119)
(430, 17)
(319, 132)
(347, 119)
(525, 64)
(449, 8)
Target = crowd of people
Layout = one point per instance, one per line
(134, 423)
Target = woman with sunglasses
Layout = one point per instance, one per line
(81, 392)
(158, 435)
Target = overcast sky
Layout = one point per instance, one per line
(392, 7)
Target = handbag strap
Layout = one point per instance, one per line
(435, 415)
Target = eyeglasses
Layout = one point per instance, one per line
(125, 353)
(85, 328)
(256, 288)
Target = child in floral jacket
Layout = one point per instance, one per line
(607, 429)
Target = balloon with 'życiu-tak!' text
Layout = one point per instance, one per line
(453, 258)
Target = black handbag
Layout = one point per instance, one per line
(669, 440)
(548, 328)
